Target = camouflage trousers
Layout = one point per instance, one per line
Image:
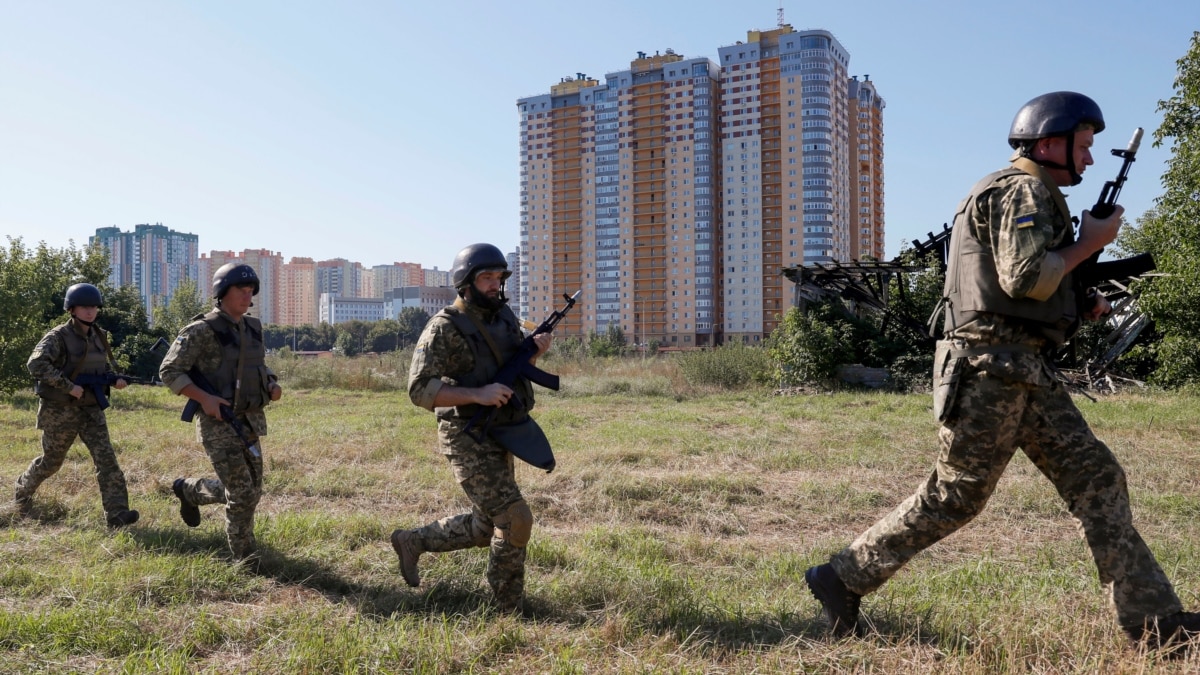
(486, 474)
(238, 484)
(60, 425)
(993, 417)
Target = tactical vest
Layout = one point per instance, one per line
(506, 334)
(252, 393)
(973, 284)
(85, 356)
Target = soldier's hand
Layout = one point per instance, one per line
(276, 391)
(494, 394)
(1100, 233)
(543, 340)
(76, 391)
(212, 405)
(120, 383)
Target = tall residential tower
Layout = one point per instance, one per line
(675, 192)
(152, 258)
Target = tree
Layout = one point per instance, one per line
(32, 286)
(185, 304)
(1171, 231)
(383, 336)
(412, 321)
(132, 339)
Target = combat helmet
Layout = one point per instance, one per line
(232, 274)
(475, 258)
(82, 295)
(1059, 113)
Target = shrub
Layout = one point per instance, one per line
(731, 366)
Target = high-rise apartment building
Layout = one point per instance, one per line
(618, 183)
(866, 169)
(152, 258)
(298, 292)
(338, 277)
(267, 265)
(786, 176)
(675, 192)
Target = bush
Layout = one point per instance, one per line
(732, 366)
(809, 347)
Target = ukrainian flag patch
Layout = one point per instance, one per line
(1025, 221)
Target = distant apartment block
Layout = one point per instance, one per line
(268, 265)
(153, 258)
(674, 192)
(866, 169)
(618, 182)
(333, 309)
(433, 277)
(298, 292)
(429, 298)
(338, 277)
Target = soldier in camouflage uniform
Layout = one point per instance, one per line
(456, 358)
(224, 350)
(1010, 302)
(67, 410)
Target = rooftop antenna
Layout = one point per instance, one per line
(780, 14)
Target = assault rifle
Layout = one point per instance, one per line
(227, 414)
(525, 439)
(99, 384)
(1091, 272)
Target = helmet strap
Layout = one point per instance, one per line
(1069, 167)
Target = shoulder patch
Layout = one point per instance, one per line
(1025, 221)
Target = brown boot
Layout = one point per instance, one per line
(407, 546)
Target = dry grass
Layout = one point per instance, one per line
(672, 538)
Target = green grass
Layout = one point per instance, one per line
(672, 537)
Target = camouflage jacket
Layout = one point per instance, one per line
(197, 346)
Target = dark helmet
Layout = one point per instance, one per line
(1058, 113)
(232, 274)
(474, 258)
(82, 295)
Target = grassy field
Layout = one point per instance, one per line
(672, 537)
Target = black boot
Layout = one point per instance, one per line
(187, 511)
(840, 603)
(122, 518)
(1177, 632)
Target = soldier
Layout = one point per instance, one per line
(66, 410)
(1010, 302)
(456, 358)
(223, 352)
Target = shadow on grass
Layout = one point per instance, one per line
(378, 601)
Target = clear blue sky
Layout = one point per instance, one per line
(387, 131)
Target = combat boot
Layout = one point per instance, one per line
(22, 507)
(839, 603)
(187, 511)
(1177, 632)
(408, 548)
(122, 518)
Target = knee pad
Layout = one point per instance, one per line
(514, 524)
